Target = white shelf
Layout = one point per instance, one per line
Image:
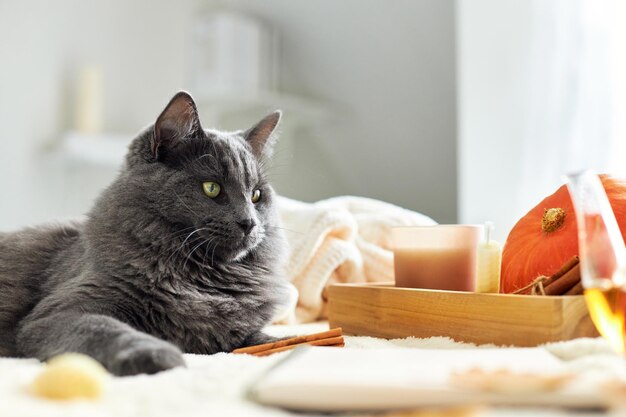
(109, 149)
(106, 149)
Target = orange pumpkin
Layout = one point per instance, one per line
(547, 236)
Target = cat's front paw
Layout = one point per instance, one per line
(260, 338)
(147, 359)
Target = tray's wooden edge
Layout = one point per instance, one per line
(383, 310)
(391, 286)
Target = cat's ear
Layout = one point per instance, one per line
(177, 122)
(262, 136)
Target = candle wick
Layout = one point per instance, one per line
(488, 230)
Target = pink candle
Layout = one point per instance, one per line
(436, 257)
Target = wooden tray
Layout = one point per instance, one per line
(382, 310)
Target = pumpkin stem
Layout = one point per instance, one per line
(552, 219)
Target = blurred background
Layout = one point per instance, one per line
(466, 111)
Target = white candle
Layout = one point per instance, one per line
(488, 263)
(89, 101)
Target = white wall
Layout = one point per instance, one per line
(140, 46)
(387, 70)
(493, 38)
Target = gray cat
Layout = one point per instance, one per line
(181, 253)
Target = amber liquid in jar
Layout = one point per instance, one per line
(607, 307)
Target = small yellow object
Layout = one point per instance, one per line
(489, 260)
(70, 376)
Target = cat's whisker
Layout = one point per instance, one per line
(191, 253)
(213, 253)
(286, 229)
(212, 238)
(185, 204)
(206, 250)
(182, 245)
(174, 235)
(206, 242)
(205, 155)
(190, 234)
(163, 244)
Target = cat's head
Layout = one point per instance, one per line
(209, 185)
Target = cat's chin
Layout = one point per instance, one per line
(233, 256)
(237, 254)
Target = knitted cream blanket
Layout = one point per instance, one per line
(342, 239)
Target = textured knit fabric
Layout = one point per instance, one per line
(342, 239)
(216, 384)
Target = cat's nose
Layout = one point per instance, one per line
(246, 225)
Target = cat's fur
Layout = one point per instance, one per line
(158, 268)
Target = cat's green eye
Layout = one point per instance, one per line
(212, 189)
(256, 196)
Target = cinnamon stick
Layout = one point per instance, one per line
(576, 289)
(292, 341)
(564, 283)
(572, 262)
(330, 342)
(567, 266)
(537, 287)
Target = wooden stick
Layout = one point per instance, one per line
(290, 347)
(330, 342)
(572, 262)
(565, 283)
(567, 266)
(293, 341)
(576, 289)
(538, 286)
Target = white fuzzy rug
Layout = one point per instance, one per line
(214, 385)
